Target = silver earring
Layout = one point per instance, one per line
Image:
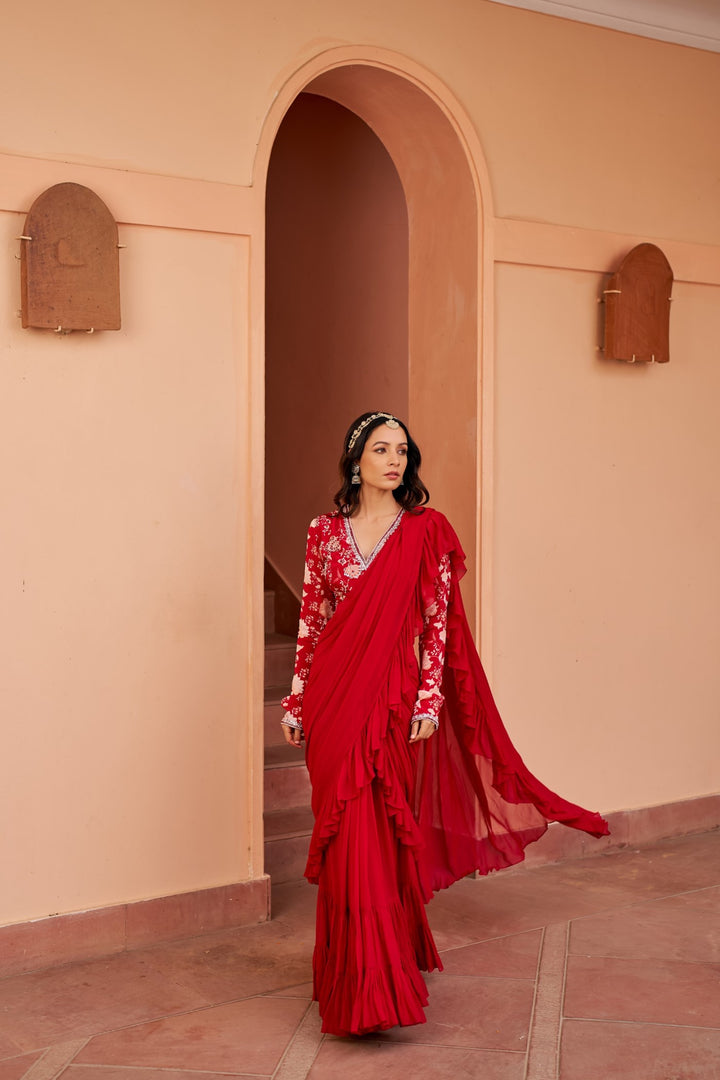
(356, 474)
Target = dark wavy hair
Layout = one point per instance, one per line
(411, 493)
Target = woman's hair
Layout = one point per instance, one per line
(411, 493)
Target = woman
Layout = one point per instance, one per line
(415, 781)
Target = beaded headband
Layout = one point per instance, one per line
(389, 419)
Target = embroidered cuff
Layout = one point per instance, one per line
(426, 716)
(290, 721)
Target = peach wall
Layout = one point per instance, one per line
(605, 577)
(123, 555)
(133, 480)
(580, 125)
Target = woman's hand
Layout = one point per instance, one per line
(293, 735)
(421, 729)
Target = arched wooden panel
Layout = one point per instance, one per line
(637, 307)
(69, 261)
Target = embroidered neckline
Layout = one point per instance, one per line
(364, 563)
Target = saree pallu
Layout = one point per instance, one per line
(395, 821)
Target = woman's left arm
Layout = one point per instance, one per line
(315, 610)
(425, 718)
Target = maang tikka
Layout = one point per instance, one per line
(389, 420)
(356, 474)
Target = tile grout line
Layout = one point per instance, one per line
(153, 1018)
(542, 1059)
(302, 1050)
(54, 1060)
(634, 1023)
(536, 978)
(495, 937)
(563, 992)
(642, 902)
(643, 959)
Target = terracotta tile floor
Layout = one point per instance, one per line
(605, 968)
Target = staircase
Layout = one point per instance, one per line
(288, 817)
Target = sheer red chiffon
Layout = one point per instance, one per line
(393, 821)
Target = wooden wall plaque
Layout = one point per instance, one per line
(637, 307)
(69, 262)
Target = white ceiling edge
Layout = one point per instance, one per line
(695, 23)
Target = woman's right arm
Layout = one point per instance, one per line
(315, 610)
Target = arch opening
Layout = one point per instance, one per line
(336, 308)
(442, 304)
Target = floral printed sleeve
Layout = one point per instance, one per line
(315, 610)
(432, 648)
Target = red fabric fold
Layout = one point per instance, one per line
(477, 803)
(395, 822)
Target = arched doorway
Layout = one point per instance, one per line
(428, 141)
(410, 224)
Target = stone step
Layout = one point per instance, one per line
(289, 823)
(269, 611)
(288, 817)
(279, 659)
(284, 757)
(287, 782)
(287, 838)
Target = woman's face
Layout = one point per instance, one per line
(383, 461)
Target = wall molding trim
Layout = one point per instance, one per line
(694, 23)
(564, 247)
(171, 202)
(628, 828)
(87, 935)
(135, 198)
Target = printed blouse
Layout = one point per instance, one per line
(333, 563)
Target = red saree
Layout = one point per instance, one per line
(394, 821)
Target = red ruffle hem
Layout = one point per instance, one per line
(395, 822)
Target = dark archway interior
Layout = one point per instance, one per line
(336, 308)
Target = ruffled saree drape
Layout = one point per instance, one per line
(393, 821)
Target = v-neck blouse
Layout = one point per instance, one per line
(333, 563)
(364, 563)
